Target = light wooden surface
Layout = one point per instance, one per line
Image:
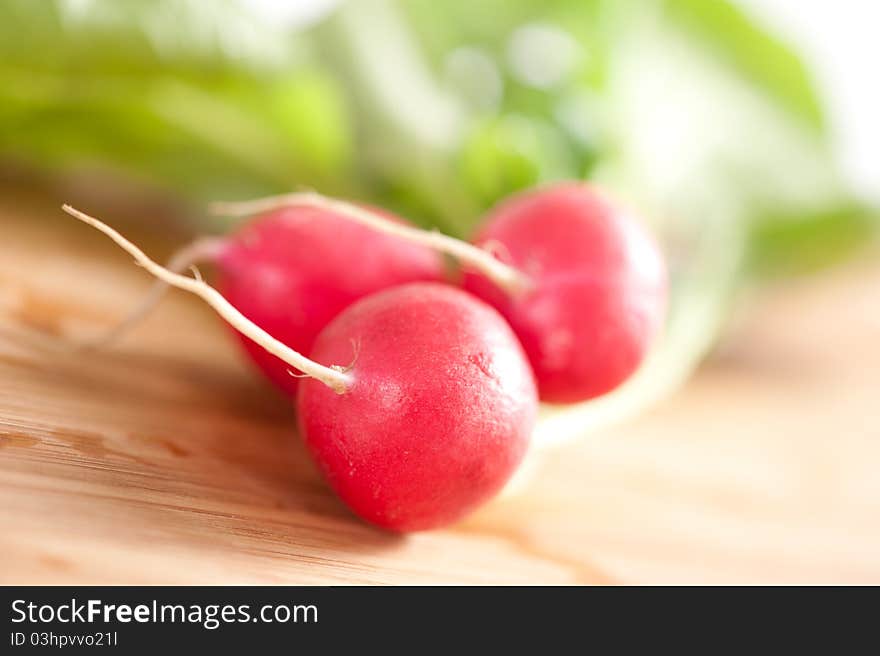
(166, 460)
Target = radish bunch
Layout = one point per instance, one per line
(417, 398)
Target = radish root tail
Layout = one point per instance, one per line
(337, 380)
(508, 278)
(205, 248)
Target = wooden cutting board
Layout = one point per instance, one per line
(166, 460)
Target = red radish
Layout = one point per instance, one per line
(293, 269)
(439, 413)
(584, 286)
(431, 413)
(598, 288)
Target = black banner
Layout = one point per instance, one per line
(143, 619)
(151, 619)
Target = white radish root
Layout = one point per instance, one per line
(508, 278)
(334, 377)
(205, 248)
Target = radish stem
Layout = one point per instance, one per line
(334, 377)
(508, 278)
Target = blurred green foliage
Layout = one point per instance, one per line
(686, 108)
(193, 96)
(753, 53)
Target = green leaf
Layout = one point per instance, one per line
(512, 152)
(755, 53)
(196, 96)
(801, 243)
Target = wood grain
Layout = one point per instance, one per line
(166, 460)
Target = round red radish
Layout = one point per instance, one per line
(596, 292)
(437, 415)
(292, 270)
